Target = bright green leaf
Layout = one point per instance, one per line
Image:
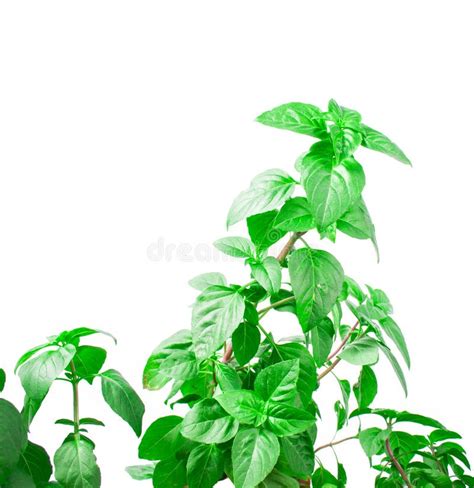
(278, 382)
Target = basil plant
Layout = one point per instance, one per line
(253, 395)
(62, 358)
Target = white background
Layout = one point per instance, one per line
(128, 124)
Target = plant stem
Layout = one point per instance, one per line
(75, 397)
(334, 443)
(344, 341)
(397, 464)
(270, 340)
(289, 245)
(329, 369)
(263, 311)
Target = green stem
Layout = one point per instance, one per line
(75, 399)
(284, 301)
(334, 443)
(270, 340)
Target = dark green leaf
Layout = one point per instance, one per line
(3, 378)
(322, 478)
(365, 390)
(419, 419)
(162, 439)
(278, 382)
(244, 405)
(88, 362)
(170, 474)
(307, 380)
(245, 342)
(209, 423)
(181, 365)
(278, 480)
(254, 455)
(285, 420)
(322, 339)
(205, 466)
(13, 438)
(262, 230)
(123, 399)
(35, 462)
(316, 277)
(227, 378)
(296, 456)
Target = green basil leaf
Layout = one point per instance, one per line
(244, 405)
(35, 462)
(322, 478)
(72, 336)
(237, 247)
(209, 423)
(396, 366)
(38, 374)
(376, 141)
(302, 118)
(442, 435)
(268, 274)
(278, 480)
(392, 329)
(345, 141)
(267, 191)
(162, 439)
(419, 419)
(13, 438)
(170, 473)
(141, 472)
(206, 280)
(365, 390)
(278, 382)
(245, 342)
(295, 216)
(3, 378)
(152, 377)
(331, 189)
(284, 420)
(227, 378)
(254, 455)
(205, 466)
(122, 399)
(217, 312)
(322, 339)
(296, 456)
(88, 362)
(307, 380)
(262, 230)
(373, 440)
(361, 352)
(316, 278)
(181, 365)
(76, 465)
(357, 223)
